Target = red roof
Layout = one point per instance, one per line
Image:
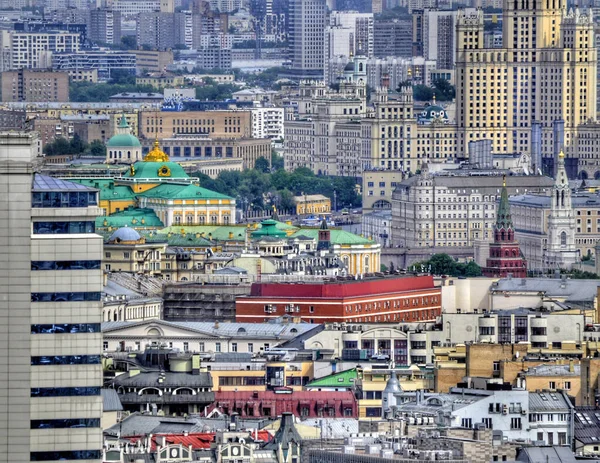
(343, 289)
(270, 395)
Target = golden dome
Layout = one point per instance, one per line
(561, 154)
(156, 155)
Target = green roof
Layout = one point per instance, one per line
(124, 140)
(340, 237)
(187, 240)
(108, 190)
(131, 217)
(145, 170)
(212, 232)
(175, 191)
(269, 228)
(342, 379)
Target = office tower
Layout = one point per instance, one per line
(306, 37)
(348, 34)
(439, 37)
(545, 71)
(105, 26)
(34, 50)
(393, 37)
(51, 284)
(163, 31)
(33, 85)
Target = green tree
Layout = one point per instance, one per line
(442, 264)
(276, 161)
(286, 200)
(444, 90)
(57, 147)
(262, 165)
(128, 42)
(97, 148)
(472, 269)
(422, 93)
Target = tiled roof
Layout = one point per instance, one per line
(47, 183)
(340, 237)
(174, 191)
(341, 379)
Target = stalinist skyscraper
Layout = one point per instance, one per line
(545, 72)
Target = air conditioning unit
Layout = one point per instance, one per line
(523, 412)
(504, 410)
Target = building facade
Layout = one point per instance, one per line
(30, 85)
(54, 281)
(306, 25)
(556, 70)
(217, 124)
(378, 300)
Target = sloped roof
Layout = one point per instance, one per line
(110, 401)
(108, 190)
(345, 378)
(132, 217)
(340, 237)
(47, 183)
(176, 191)
(147, 169)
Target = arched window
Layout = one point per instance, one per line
(563, 239)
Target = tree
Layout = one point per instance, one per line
(128, 42)
(422, 93)
(442, 264)
(286, 200)
(444, 90)
(276, 161)
(472, 269)
(262, 165)
(97, 148)
(57, 147)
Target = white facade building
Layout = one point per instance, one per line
(34, 49)
(267, 123)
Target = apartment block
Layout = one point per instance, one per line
(216, 124)
(32, 85)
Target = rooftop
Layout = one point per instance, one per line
(342, 379)
(567, 289)
(46, 183)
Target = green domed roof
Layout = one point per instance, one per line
(166, 170)
(434, 112)
(123, 140)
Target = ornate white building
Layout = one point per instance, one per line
(561, 251)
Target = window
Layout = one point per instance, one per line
(57, 228)
(66, 328)
(562, 438)
(66, 455)
(250, 347)
(311, 309)
(64, 391)
(487, 330)
(186, 346)
(201, 347)
(552, 385)
(234, 347)
(515, 423)
(66, 264)
(59, 199)
(487, 422)
(567, 386)
(64, 297)
(466, 423)
(66, 423)
(217, 347)
(68, 359)
(496, 366)
(104, 345)
(373, 412)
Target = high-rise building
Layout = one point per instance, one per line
(545, 71)
(51, 283)
(163, 31)
(393, 38)
(33, 85)
(348, 34)
(34, 50)
(306, 37)
(439, 37)
(105, 26)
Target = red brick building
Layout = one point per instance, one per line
(375, 300)
(305, 404)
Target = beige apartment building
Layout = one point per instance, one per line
(33, 85)
(545, 71)
(216, 124)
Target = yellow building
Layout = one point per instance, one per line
(312, 204)
(545, 71)
(159, 81)
(561, 375)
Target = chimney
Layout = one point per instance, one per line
(287, 422)
(233, 422)
(571, 366)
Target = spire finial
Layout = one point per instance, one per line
(504, 180)
(561, 154)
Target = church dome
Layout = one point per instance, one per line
(123, 140)
(349, 67)
(125, 234)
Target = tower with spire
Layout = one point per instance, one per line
(560, 251)
(505, 254)
(123, 147)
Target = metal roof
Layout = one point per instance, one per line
(146, 379)
(246, 330)
(587, 425)
(546, 455)
(110, 401)
(47, 183)
(571, 290)
(542, 401)
(553, 370)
